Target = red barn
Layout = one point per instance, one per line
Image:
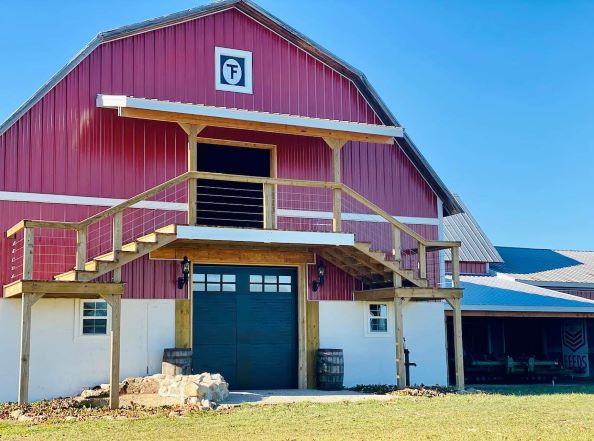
(220, 138)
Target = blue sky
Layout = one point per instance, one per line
(498, 95)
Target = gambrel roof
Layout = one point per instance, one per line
(451, 206)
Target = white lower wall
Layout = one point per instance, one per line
(369, 358)
(63, 362)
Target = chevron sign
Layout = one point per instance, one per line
(575, 347)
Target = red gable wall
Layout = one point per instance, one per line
(64, 145)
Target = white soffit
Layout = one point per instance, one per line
(122, 101)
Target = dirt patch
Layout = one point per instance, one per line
(67, 409)
(416, 391)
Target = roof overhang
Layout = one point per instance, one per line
(185, 113)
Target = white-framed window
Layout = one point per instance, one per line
(270, 283)
(94, 318)
(202, 282)
(377, 319)
(233, 70)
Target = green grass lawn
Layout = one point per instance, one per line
(536, 413)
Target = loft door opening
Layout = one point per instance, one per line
(231, 204)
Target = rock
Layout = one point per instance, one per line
(191, 389)
(70, 418)
(24, 418)
(15, 414)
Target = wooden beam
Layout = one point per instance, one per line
(408, 293)
(28, 300)
(117, 236)
(81, 249)
(458, 346)
(268, 208)
(226, 255)
(192, 132)
(313, 341)
(422, 260)
(183, 317)
(399, 338)
(28, 248)
(182, 118)
(302, 327)
(336, 145)
(55, 288)
(456, 267)
(114, 302)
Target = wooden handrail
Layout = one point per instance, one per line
(83, 225)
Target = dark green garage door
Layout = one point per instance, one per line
(245, 325)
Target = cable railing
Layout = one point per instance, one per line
(42, 249)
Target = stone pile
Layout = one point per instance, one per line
(205, 390)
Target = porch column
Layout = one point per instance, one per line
(458, 348)
(27, 302)
(399, 337)
(115, 302)
(192, 131)
(336, 145)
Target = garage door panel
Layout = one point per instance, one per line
(266, 319)
(216, 318)
(216, 359)
(263, 366)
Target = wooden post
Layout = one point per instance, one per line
(81, 249)
(396, 252)
(115, 302)
(28, 248)
(269, 214)
(117, 243)
(456, 267)
(422, 249)
(336, 145)
(458, 347)
(192, 131)
(28, 300)
(399, 337)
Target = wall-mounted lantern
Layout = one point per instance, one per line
(182, 280)
(317, 284)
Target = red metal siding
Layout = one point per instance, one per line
(65, 145)
(584, 293)
(469, 267)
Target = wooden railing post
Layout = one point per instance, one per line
(268, 207)
(456, 267)
(117, 232)
(458, 347)
(81, 249)
(192, 131)
(422, 250)
(399, 337)
(336, 145)
(28, 248)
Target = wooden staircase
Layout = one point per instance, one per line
(111, 261)
(369, 266)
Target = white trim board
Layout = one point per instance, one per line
(123, 101)
(264, 236)
(46, 198)
(505, 308)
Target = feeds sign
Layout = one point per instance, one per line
(575, 347)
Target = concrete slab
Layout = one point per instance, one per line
(286, 396)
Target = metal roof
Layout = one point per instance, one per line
(476, 246)
(502, 293)
(546, 265)
(451, 206)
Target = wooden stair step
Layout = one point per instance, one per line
(148, 238)
(76, 275)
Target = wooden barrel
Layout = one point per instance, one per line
(330, 364)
